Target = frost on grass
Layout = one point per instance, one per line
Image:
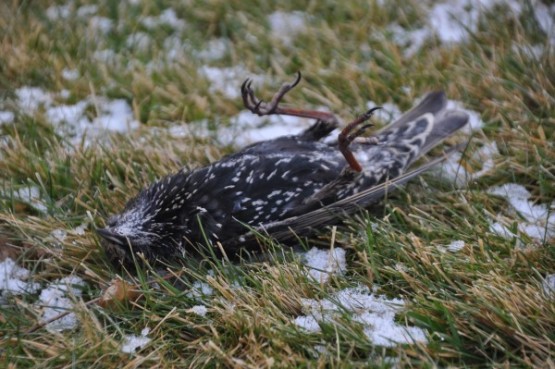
(56, 299)
(286, 26)
(132, 343)
(537, 221)
(13, 280)
(324, 263)
(376, 314)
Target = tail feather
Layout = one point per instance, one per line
(421, 129)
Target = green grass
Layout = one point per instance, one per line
(482, 306)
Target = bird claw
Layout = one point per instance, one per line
(345, 137)
(260, 107)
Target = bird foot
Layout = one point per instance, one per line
(262, 108)
(345, 138)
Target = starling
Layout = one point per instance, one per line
(283, 187)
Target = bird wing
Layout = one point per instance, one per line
(299, 225)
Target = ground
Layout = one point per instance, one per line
(100, 98)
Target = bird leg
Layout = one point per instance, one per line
(345, 138)
(262, 108)
(326, 121)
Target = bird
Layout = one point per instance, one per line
(283, 187)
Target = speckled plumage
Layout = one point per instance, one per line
(272, 182)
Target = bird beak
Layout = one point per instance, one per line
(110, 236)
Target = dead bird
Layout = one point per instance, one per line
(284, 187)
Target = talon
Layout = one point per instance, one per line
(346, 137)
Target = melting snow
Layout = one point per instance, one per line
(112, 115)
(324, 263)
(452, 171)
(388, 113)
(6, 117)
(375, 313)
(454, 21)
(55, 300)
(539, 220)
(13, 279)
(548, 285)
(286, 26)
(166, 18)
(31, 196)
(132, 343)
(199, 310)
(228, 80)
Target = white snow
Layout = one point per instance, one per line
(539, 219)
(200, 289)
(453, 21)
(132, 343)
(199, 310)
(87, 10)
(455, 246)
(139, 40)
(56, 300)
(375, 313)
(548, 285)
(6, 117)
(100, 25)
(167, 18)
(388, 113)
(13, 279)
(475, 121)
(59, 234)
(324, 263)
(70, 74)
(71, 120)
(31, 196)
(58, 12)
(30, 98)
(286, 26)
(545, 16)
(452, 171)
(215, 49)
(228, 80)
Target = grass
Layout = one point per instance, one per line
(482, 306)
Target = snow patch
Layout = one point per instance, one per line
(452, 171)
(388, 113)
(324, 263)
(286, 26)
(548, 285)
(539, 220)
(71, 120)
(166, 18)
(228, 80)
(13, 280)
(375, 313)
(55, 300)
(199, 310)
(132, 343)
(6, 117)
(31, 196)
